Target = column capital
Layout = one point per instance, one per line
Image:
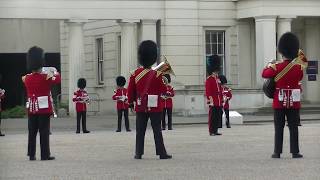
(286, 17)
(76, 21)
(149, 21)
(265, 18)
(127, 21)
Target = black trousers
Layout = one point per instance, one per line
(39, 123)
(82, 115)
(167, 111)
(216, 118)
(141, 126)
(226, 112)
(126, 118)
(279, 123)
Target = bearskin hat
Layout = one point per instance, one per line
(82, 83)
(147, 53)
(167, 77)
(223, 79)
(288, 45)
(121, 81)
(35, 58)
(213, 64)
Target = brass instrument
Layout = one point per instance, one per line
(301, 60)
(164, 67)
(50, 71)
(85, 99)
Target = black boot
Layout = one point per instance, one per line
(275, 155)
(297, 155)
(166, 156)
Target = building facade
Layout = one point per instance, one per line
(99, 40)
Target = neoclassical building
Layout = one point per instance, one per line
(98, 40)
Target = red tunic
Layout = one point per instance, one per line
(38, 88)
(144, 82)
(227, 95)
(286, 85)
(167, 101)
(78, 97)
(214, 91)
(1, 97)
(121, 96)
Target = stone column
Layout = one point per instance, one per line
(312, 44)
(76, 57)
(283, 26)
(129, 60)
(265, 44)
(148, 30)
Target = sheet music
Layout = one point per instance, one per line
(43, 102)
(152, 100)
(296, 95)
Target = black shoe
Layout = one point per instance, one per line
(275, 155)
(228, 126)
(138, 156)
(49, 158)
(128, 130)
(86, 131)
(50, 133)
(1, 134)
(297, 155)
(217, 134)
(77, 132)
(32, 158)
(163, 128)
(166, 156)
(299, 124)
(118, 130)
(169, 128)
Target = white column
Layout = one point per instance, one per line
(129, 60)
(265, 44)
(312, 44)
(283, 26)
(76, 57)
(148, 30)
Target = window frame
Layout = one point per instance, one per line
(99, 61)
(224, 46)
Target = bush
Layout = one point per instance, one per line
(16, 112)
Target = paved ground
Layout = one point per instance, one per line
(242, 153)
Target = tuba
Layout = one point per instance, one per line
(164, 67)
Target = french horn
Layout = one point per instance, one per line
(164, 67)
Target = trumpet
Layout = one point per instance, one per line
(164, 67)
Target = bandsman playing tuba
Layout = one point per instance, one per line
(287, 95)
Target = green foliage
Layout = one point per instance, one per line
(16, 112)
(62, 105)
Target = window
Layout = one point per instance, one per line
(215, 44)
(99, 56)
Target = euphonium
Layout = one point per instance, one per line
(164, 67)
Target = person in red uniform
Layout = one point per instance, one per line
(213, 91)
(286, 99)
(121, 96)
(81, 98)
(227, 95)
(145, 89)
(2, 94)
(39, 105)
(167, 104)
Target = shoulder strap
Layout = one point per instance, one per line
(284, 71)
(147, 82)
